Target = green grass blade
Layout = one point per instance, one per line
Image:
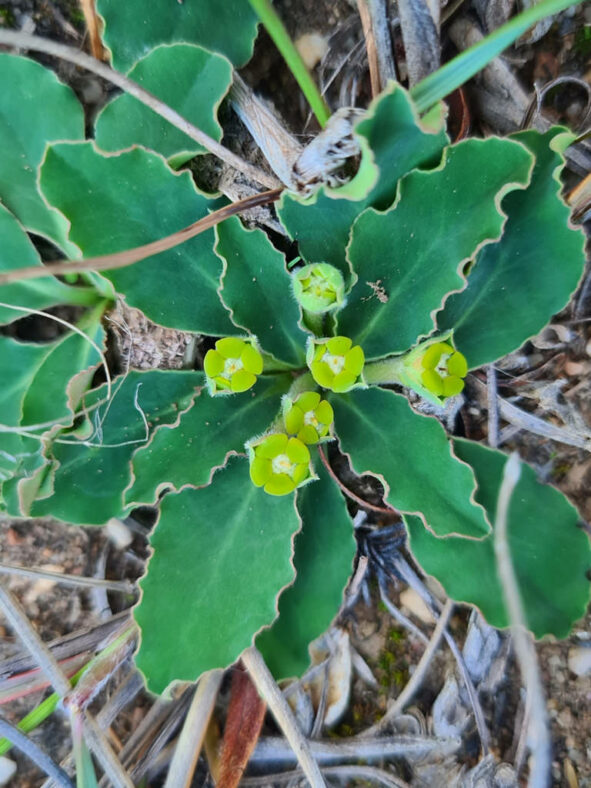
(453, 74)
(274, 27)
(40, 713)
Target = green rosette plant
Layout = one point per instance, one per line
(433, 264)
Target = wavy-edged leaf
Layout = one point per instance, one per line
(17, 251)
(47, 398)
(35, 397)
(409, 258)
(35, 108)
(518, 283)
(186, 453)
(550, 555)
(412, 455)
(393, 139)
(324, 552)
(256, 288)
(221, 556)
(116, 202)
(134, 27)
(189, 79)
(18, 363)
(92, 473)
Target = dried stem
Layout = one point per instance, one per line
(370, 46)
(539, 737)
(124, 586)
(188, 747)
(493, 408)
(35, 753)
(280, 709)
(108, 262)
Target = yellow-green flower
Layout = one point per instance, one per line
(443, 369)
(309, 417)
(335, 363)
(233, 366)
(319, 287)
(279, 463)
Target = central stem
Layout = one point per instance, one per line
(384, 371)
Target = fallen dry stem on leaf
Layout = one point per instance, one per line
(107, 262)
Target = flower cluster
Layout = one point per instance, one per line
(280, 460)
(336, 363)
(309, 417)
(443, 370)
(279, 463)
(233, 366)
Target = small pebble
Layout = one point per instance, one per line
(312, 47)
(7, 769)
(579, 660)
(119, 534)
(574, 368)
(415, 605)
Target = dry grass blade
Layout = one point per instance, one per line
(370, 46)
(349, 775)
(419, 22)
(280, 709)
(274, 750)
(527, 421)
(108, 262)
(95, 738)
(93, 25)
(125, 586)
(85, 640)
(246, 714)
(539, 735)
(35, 753)
(188, 747)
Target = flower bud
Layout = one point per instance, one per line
(279, 463)
(335, 363)
(319, 287)
(309, 417)
(233, 366)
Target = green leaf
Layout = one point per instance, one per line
(394, 140)
(92, 473)
(17, 251)
(518, 283)
(47, 398)
(35, 397)
(133, 28)
(256, 288)
(459, 70)
(18, 364)
(35, 108)
(119, 202)
(324, 552)
(412, 456)
(186, 453)
(550, 555)
(410, 257)
(221, 556)
(189, 79)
